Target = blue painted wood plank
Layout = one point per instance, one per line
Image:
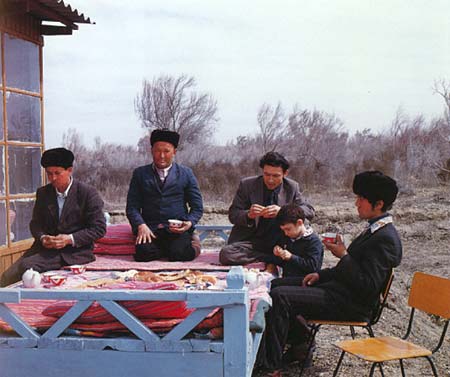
(222, 235)
(9, 295)
(199, 299)
(169, 346)
(82, 343)
(98, 294)
(51, 363)
(179, 331)
(19, 325)
(256, 341)
(199, 345)
(218, 230)
(237, 341)
(130, 321)
(67, 319)
(216, 346)
(213, 227)
(20, 343)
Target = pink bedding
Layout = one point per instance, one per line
(207, 261)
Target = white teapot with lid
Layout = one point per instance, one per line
(31, 278)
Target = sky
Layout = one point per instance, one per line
(358, 59)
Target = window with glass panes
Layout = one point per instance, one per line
(21, 135)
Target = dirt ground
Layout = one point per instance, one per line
(423, 221)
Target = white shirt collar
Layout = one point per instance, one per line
(380, 223)
(163, 173)
(65, 193)
(309, 230)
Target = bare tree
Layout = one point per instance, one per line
(173, 103)
(74, 141)
(271, 124)
(442, 87)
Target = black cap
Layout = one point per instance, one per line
(374, 185)
(168, 136)
(57, 157)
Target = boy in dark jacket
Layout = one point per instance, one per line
(299, 250)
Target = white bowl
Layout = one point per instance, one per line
(175, 223)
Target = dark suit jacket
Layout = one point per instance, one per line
(179, 198)
(82, 216)
(356, 281)
(251, 191)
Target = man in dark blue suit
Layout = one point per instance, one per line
(161, 191)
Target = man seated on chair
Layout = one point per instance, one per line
(163, 191)
(254, 209)
(67, 219)
(299, 250)
(348, 291)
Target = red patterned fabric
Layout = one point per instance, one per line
(31, 312)
(141, 309)
(206, 261)
(118, 234)
(126, 249)
(214, 319)
(118, 240)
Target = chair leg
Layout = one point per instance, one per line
(402, 368)
(338, 364)
(352, 332)
(311, 339)
(370, 331)
(381, 369)
(430, 360)
(372, 369)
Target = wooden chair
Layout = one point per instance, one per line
(430, 294)
(316, 324)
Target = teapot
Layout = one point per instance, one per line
(31, 278)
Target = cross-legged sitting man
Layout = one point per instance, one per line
(159, 192)
(67, 219)
(348, 291)
(254, 210)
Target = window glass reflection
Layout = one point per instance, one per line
(24, 169)
(1, 113)
(21, 64)
(23, 117)
(2, 171)
(20, 227)
(2, 223)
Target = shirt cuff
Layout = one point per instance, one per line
(72, 239)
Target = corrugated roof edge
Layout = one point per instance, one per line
(66, 11)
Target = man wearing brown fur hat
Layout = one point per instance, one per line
(67, 219)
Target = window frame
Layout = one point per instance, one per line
(12, 247)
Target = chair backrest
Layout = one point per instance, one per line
(384, 293)
(430, 294)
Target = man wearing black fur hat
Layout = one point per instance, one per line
(159, 192)
(348, 291)
(67, 219)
